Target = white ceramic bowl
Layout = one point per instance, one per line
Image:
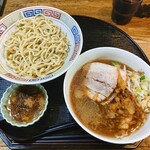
(5, 112)
(59, 17)
(116, 54)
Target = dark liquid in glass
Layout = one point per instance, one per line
(120, 18)
(123, 10)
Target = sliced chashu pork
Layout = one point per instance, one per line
(101, 80)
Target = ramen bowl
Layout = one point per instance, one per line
(114, 54)
(62, 20)
(23, 105)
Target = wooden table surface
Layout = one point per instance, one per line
(138, 28)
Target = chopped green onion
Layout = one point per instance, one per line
(138, 90)
(116, 64)
(142, 77)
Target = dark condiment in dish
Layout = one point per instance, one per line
(25, 103)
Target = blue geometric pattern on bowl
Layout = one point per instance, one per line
(46, 12)
(32, 12)
(76, 35)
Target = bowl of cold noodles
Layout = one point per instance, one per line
(107, 91)
(23, 105)
(38, 44)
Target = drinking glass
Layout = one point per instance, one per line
(124, 10)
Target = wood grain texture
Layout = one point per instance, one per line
(138, 28)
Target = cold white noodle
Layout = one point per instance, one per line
(36, 48)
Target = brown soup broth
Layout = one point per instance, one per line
(97, 117)
(25, 103)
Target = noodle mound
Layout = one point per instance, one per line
(36, 48)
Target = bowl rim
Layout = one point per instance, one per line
(58, 74)
(6, 94)
(68, 103)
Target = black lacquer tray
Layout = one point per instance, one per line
(96, 33)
